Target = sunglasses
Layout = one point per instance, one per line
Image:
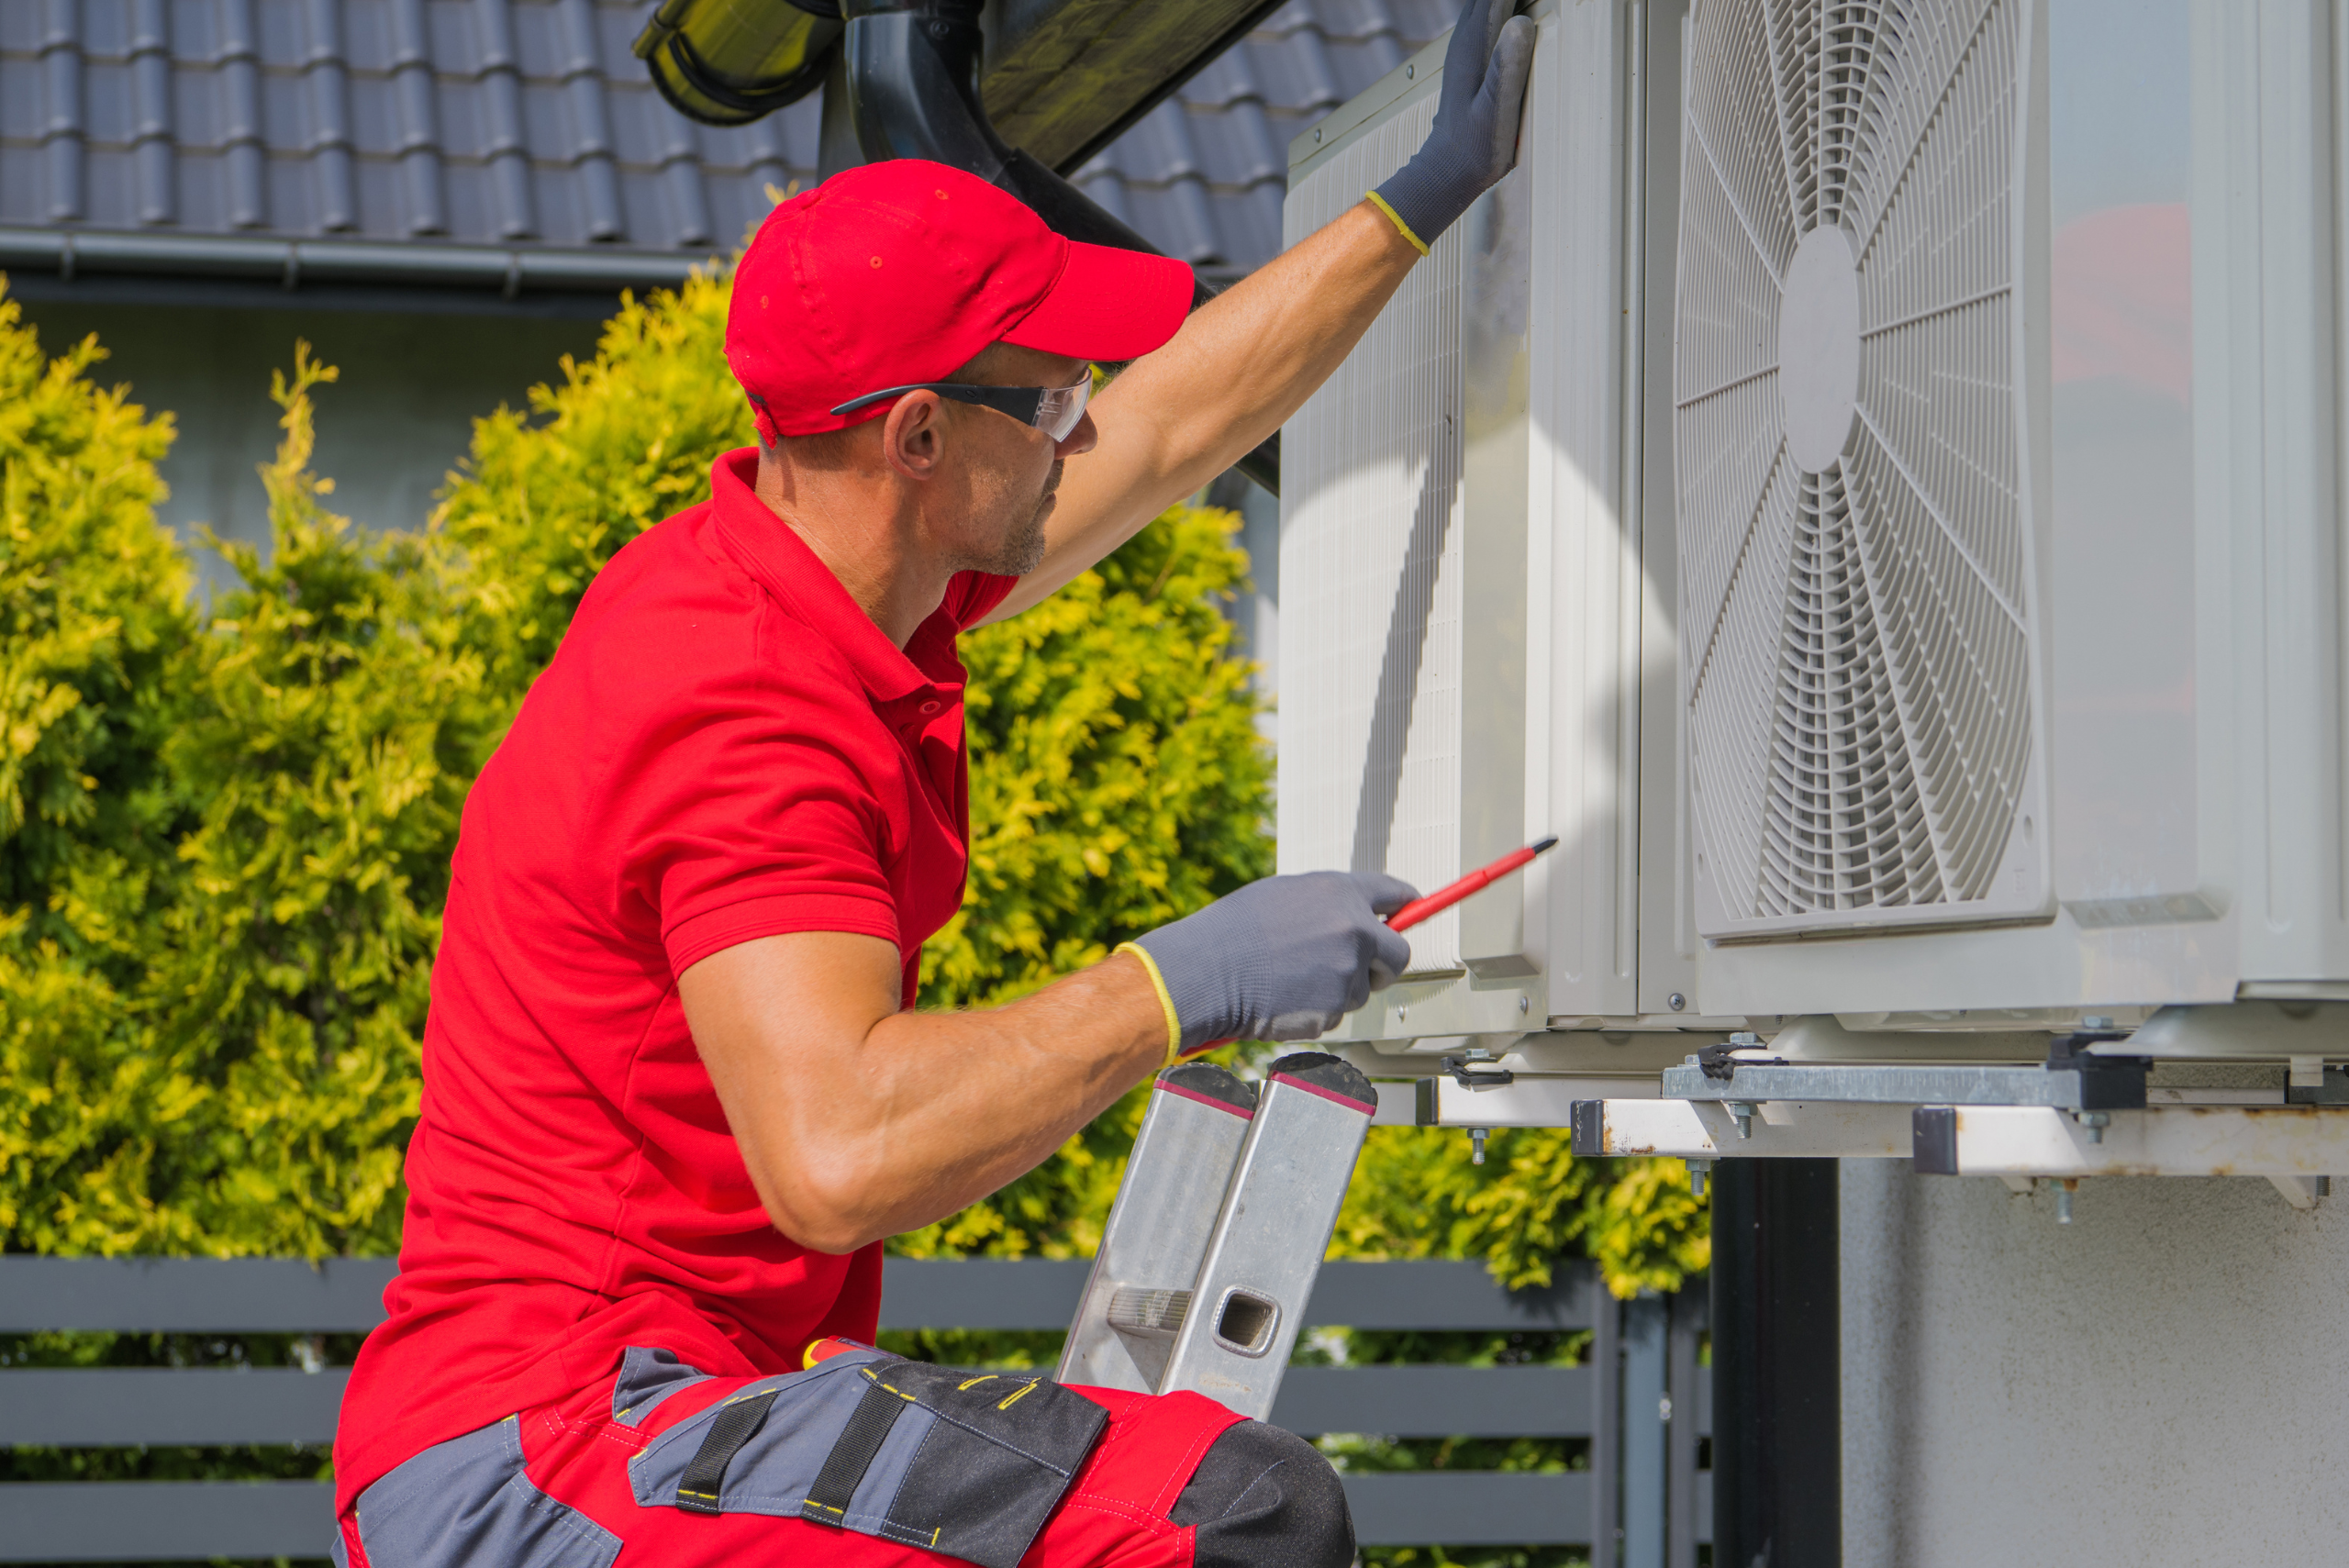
(1052, 409)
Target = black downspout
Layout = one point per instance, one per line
(913, 80)
(1778, 1387)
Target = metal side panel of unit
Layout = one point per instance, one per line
(1465, 599)
(1370, 636)
(1667, 886)
(2266, 366)
(1581, 146)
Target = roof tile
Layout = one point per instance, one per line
(498, 121)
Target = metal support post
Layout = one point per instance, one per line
(1644, 1460)
(1777, 1461)
(1606, 1428)
(1681, 1432)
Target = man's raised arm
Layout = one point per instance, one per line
(1249, 359)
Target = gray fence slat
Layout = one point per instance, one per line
(118, 1521)
(1437, 1401)
(1470, 1509)
(281, 1295)
(155, 1406)
(128, 1407)
(979, 1293)
(194, 1295)
(1448, 1295)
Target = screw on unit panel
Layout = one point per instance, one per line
(1676, 1001)
(2095, 1021)
(1524, 1003)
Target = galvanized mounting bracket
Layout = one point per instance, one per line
(2012, 1140)
(2071, 1080)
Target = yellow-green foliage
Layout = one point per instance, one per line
(224, 841)
(605, 450)
(1417, 1194)
(91, 593)
(211, 993)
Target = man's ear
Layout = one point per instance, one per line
(913, 435)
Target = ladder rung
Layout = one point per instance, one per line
(1159, 1313)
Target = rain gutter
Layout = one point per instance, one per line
(507, 271)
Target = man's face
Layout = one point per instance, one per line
(1008, 471)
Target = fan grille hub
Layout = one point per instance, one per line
(1819, 349)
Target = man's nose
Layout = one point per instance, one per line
(1084, 438)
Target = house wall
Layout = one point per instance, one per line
(2156, 1382)
(389, 429)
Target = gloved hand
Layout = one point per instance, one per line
(1281, 959)
(1474, 139)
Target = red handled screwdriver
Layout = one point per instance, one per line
(1443, 898)
(1476, 880)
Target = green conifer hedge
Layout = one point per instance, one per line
(224, 834)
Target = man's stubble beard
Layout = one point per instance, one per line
(1023, 550)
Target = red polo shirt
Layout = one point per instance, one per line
(724, 747)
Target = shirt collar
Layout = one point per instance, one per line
(780, 559)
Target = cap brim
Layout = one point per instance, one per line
(1108, 305)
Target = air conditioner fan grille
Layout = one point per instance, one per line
(1852, 531)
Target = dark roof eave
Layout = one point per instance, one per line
(507, 270)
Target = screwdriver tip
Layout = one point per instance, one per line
(1540, 845)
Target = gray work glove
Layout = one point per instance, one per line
(1474, 139)
(1282, 959)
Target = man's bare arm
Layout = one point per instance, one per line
(859, 1121)
(1240, 367)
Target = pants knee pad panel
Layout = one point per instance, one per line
(1265, 1498)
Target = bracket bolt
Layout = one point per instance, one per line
(2094, 1123)
(1741, 1113)
(1697, 1171)
(2063, 1201)
(1477, 1145)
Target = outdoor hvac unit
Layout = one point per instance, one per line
(2007, 430)
(1870, 481)
(1470, 625)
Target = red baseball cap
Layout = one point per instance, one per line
(901, 271)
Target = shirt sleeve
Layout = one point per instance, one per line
(767, 818)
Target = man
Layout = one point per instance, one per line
(675, 1091)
